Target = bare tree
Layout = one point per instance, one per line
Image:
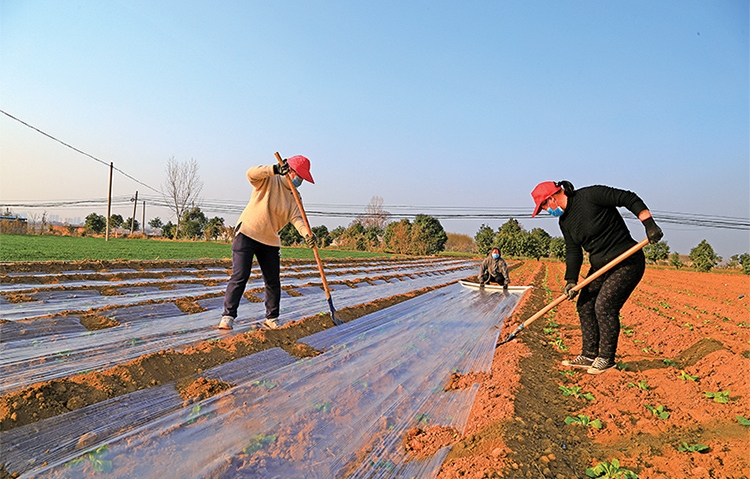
(374, 214)
(182, 187)
(32, 220)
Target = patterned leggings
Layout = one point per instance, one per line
(599, 306)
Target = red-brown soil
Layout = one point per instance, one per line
(58, 396)
(678, 325)
(675, 321)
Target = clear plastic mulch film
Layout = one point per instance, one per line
(343, 413)
(48, 348)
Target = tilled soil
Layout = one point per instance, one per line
(676, 344)
(58, 396)
(684, 334)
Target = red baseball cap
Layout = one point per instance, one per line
(301, 166)
(543, 190)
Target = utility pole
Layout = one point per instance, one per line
(109, 200)
(143, 223)
(132, 218)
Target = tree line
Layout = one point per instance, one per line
(424, 236)
(193, 225)
(374, 230)
(514, 241)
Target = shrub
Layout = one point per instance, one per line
(703, 257)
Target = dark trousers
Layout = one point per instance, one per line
(243, 250)
(599, 306)
(499, 279)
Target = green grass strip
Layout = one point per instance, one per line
(18, 248)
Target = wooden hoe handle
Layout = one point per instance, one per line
(577, 287)
(315, 247)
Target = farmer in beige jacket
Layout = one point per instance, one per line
(271, 207)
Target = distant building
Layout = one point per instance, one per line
(13, 225)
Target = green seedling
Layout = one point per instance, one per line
(362, 383)
(670, 363)
(584, 421)
(575, 391)
(721, 397)
(568, 372)
(258, 442)
(658, 411)
(687, 377)
(97, 459)
(422, 418)
(558, 343)
(743, 324)
(685, 447)
(626, 330)
(195, 413)
(721, 317)
(605, 470)
(389, 466)
(642, 385)
(61, 355)
(552, 324)
(265, 383)
(132, 342)
(549, 331)
(743, 421)
(689, 326)
(323, 407)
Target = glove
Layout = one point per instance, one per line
(311, 240)
(569, 291)
(281, 169)
(653, 232)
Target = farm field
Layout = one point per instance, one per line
(32, 248)
(115, 370)
(685, 336)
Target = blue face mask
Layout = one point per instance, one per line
(495, 255)
(297, 181)
(557, 212)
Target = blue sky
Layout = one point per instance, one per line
(434, 103)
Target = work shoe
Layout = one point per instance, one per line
(600, 365)
(579, 362)
(227, 322)
(271, 323)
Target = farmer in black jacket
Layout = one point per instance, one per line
(589, 221)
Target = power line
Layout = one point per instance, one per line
(357, 211)
(77, 150)
(212, 206)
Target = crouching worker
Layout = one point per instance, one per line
(494, 269)
(271, 207)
